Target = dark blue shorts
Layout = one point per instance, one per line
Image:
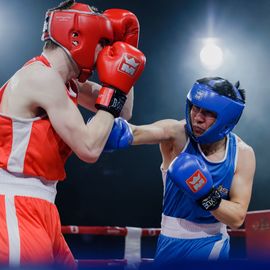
(173, 250)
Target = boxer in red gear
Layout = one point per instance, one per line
(41, 126)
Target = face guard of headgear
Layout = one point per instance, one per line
(227, 110)
(78, 30)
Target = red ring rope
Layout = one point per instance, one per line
(122, 231)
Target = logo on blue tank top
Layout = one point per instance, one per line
(223, 191)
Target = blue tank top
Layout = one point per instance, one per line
(178, 204)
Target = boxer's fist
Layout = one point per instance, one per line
(190, 173)
(120, 137)
(125, 25)
(119, 66)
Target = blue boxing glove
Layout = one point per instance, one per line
(190, 173)
(120, 137)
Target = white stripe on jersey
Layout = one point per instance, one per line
(21, 136)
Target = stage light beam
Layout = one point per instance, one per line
(211, 55)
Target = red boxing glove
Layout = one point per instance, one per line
(119, 66)
(125, 25)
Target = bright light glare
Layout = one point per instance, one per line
(211, 55)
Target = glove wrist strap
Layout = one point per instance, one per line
(211, 201)
(110, 100)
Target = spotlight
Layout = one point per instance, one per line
(211, 55)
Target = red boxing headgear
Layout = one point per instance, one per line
(77, 29)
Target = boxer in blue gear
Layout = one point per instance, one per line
(207, 172)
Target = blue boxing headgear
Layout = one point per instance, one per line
(228, 110)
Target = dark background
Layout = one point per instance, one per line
(125, 188)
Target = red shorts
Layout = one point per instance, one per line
(30, 228)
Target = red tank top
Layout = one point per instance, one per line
(32, 146)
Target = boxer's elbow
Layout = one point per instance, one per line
(89, 155)
(241, 217)
(237, 222)
(236, 225)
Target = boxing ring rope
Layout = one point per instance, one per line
(107, 230)
(256, 232)
(132, 254)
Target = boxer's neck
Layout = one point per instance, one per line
(61, 62)
(213, 148)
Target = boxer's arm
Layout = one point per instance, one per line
(87, 141)
(122, 135)
(157, 132)
(233, 212)
(127, 110)
(88, 93)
